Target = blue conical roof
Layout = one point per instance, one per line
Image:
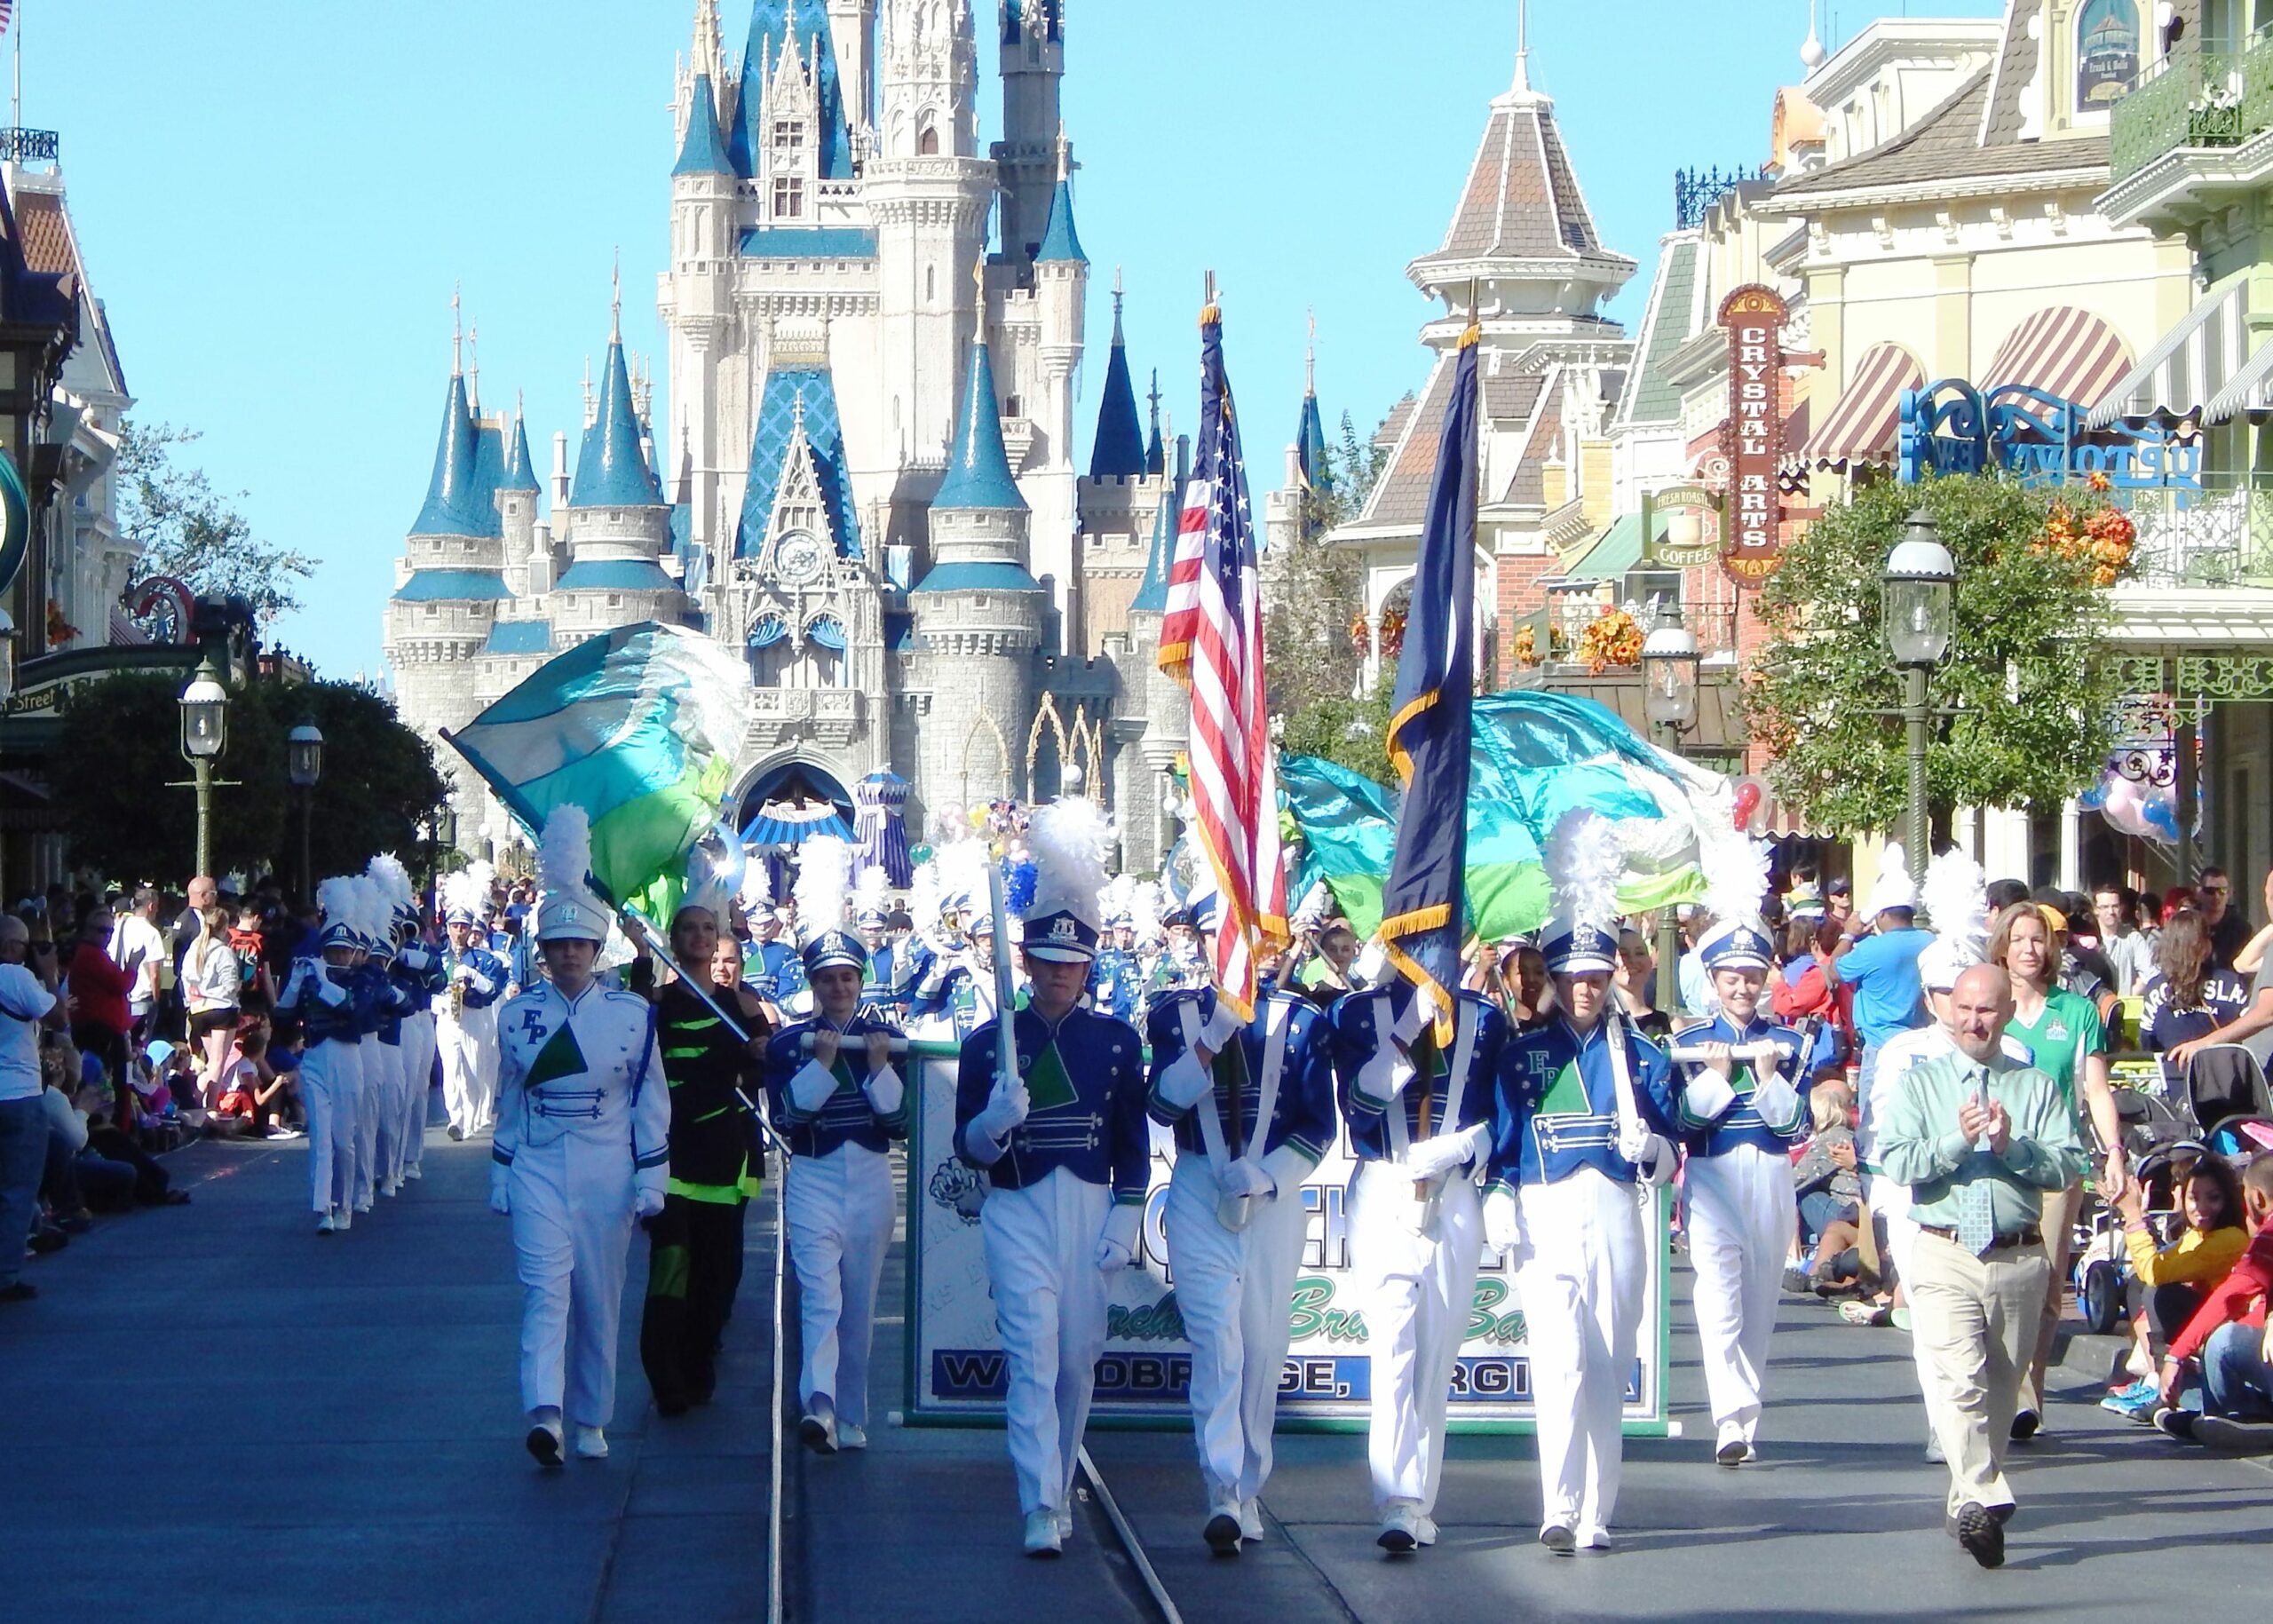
(703, 152)
(521, 472)
(773, 26)
(1119, 447)
(452, 507)
(1156, 460)
(612, 471)
(1152, 592)
(1061, 243)
(978, 469)
(1309, 446)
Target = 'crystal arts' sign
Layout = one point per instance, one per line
(1755, 318)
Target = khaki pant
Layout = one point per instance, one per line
(1973, 1321)
(2060, 1209)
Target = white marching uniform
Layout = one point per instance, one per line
(374, 1090)
(418, 1071)
(583, 1138)
(331, 1076)
(1743, 1210)
(466, 1036)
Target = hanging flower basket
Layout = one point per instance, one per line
(1392, 633)
(1612, 639)
(1361, 637)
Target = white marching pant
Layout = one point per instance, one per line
(468, 1044)
(1417, 1290)
(386, 1104)
(1049, 1306)
(1580, 1284)
(369, 1103)
(418, 1076)
(1742, 1215)
(839, 1210)
(1890, 1201)
(331, 1075)
(1236, 1291)
(571, 1203)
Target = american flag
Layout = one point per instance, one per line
(1211, 640)
(7, 14)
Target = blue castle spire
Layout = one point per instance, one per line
(1061, 244)
(703, 152)
(775, 25)
(1119, 447)
(450, 494)
(1156, 460)
(978, 469)
(1152, 591)
(521, 472)
(611, 470)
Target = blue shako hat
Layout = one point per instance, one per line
(1577, 948)
(1737, 944)
(1061, 938)
(836, 946)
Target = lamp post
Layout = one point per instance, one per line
(304, 765)
(1917, 612)
(204, 734)
(1669, 664)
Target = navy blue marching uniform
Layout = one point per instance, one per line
(1420, 1122)
(331, 1069)
(840, 1122)
(1249, 1130)
(773, 971)
(1742, 1207)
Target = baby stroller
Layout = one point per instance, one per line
(2229, 1101)
(2102, 1268)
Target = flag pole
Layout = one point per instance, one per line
(16, 115)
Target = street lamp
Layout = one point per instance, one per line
(304, 765)
(1669, 663)
(1917, 612)
(204, 734)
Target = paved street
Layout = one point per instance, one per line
(326, 1428)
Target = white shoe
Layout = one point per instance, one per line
(544, 1440)
(414, 1171)
(592, 1443)
(1400, 1526)
(850, 1437)
(1065, 1524)
(1041, 1533)
(1250, 1518)
(1427, 1532)
(343, 1217)
(324, 1225)
(1732, 1447)
(1594, 1536)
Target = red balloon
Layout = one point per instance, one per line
(1747, 804)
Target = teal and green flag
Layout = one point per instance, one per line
(639, 727)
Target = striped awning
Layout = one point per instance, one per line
(2188, 366)
(787, 823)
(2068, 354)
(1861, 427)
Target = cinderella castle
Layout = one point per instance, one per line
(865, 481)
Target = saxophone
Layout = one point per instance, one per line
(457, 997)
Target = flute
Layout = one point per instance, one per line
(1764, 1049)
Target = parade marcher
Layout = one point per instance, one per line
(1742, 1108)
(1062, 1143)
(961, 989)
(1251, 1103)
(1115, 984)
(770, 968)
(1420, 1122)
(418, 976)
(1979, 1139)
(465, 1011)
(1582, 1125)
(386, 1090)
(835, 1097)
(884, 982)
(695, 1264)
(322, 991)
(373, 1011)
(583, 1147)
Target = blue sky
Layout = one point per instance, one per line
(275, 198)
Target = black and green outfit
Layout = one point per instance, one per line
(694, 1263)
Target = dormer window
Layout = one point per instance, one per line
(788, 197)
(789, 135)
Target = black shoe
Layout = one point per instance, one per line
(818, 1430)
(457, 1132)
(49, 1239)
(2177, 1423)
(2026, 1425)
(1558, 1538)
(1221, 1534)
(1982, 1533)
(19, 1291)
(77, 1224)
(674, 1405)
(544, 1445)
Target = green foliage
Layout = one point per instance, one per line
(121, 749)
(191, 532)
(1312, 592)
(2024, 700)
(1350, 732)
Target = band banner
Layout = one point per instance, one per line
(955, 1373)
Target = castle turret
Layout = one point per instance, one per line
(698, 292)
(1033, 71)
(1061, 273)
(516, 503)
(978, 612)
(1117, 500)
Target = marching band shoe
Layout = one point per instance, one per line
(1065, 1524)
(1593, 1538)
(1558, 1538)
(1734, 1449)
(817, 1431)
(1427, 1531)
(850, 1437)
(1400, 1527)
(2026, 1425)
(414, 1171)
(343, 1217)
(1041, 1533)
(1222, 1531)
(324, 1225)
(544, 1439)
(1250, 1518)
(592, 1443)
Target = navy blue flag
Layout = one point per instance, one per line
(1430, 719)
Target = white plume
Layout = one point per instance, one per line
(1069, 840)
(869, 889)
(1585, 862)
(1114, 901)
(485, 874)
(1956, 899)
(337, 898)
(962, 873)
(464, 892)
(564, 853)
(1145, 909)
(757, 885)
(1736, 872)
(923, 895)
(369, 912)
(824, 874)
(393, 880)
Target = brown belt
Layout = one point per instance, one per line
(2026, 1237)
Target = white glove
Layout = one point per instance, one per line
(886, 1093)
(1221, 1027)
(501, 1201)
(1657, 1164)
(1122, 1237)
(1184, 1083)
(1448, 1151)
(810, 1089)
(1634, 1138)
(1706, 1094)
(1504, 1222)
(1419, 1013)
(1002, 1113)
(646, 1199)
(1243, 1178)
(1384, 1074)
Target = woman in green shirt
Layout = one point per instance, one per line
(2064, 1037)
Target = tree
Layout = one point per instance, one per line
(121, 749)
(1314, 593)
(1350, 732)
(2025, 702)
(189, 530)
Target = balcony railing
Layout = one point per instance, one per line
(21, 146)
(2193, 99)
(2222, 537)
